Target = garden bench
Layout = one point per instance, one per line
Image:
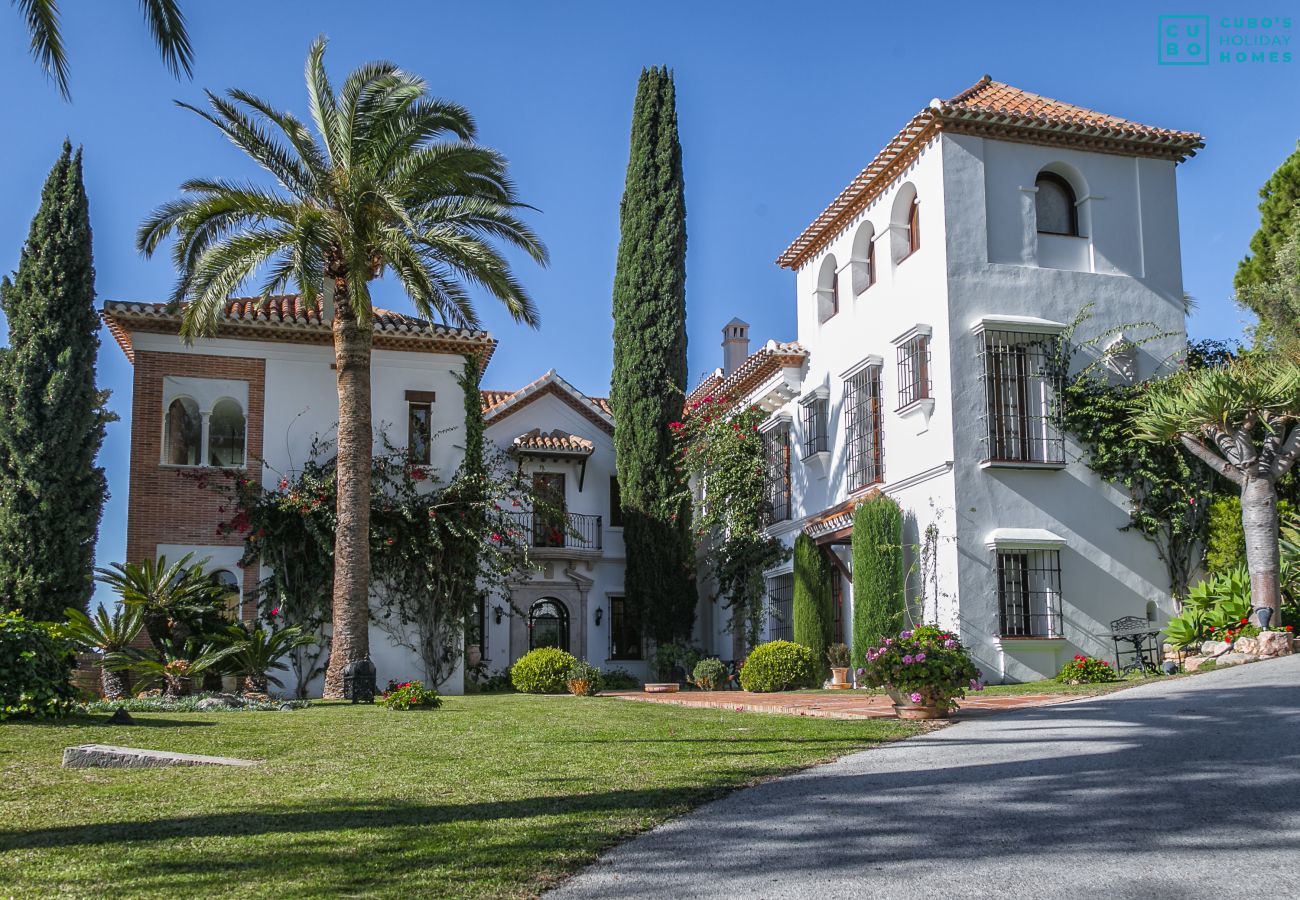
(1143, 638)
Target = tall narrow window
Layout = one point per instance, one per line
(815, 426)
(913, 370)
(615, 503)
(226, 434)
(835, 294)
(780, 607)
(862, 429)
(837, 606)
(549, 519)
(1022, 389)
(1029, 593)
(184, 433)
(1054, 205)
(914, 228)
(776, 479)
(419, 432)
(624, 631)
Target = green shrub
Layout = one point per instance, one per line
(1086, 670)
(188, 703)
(410, 695)
(35, 668)
(583, 679)
(1213, 605)
(778, 666)
(812, 600)
(877, 573)
(542, 671)
(709, 674)
(619, 680)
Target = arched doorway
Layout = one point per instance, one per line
(548, 624)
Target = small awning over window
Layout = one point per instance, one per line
(553, 443)
(1027, 324)
(1023, 539)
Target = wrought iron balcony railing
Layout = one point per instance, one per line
(571, 531)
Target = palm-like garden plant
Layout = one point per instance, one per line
(106, 633)
(174, 599)
(174, 671)
(163, 17)
(259, 651)
(1240, 419)
(390, 181)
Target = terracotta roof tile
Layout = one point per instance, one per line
(555, 441)
(991, 109)
(498, 404)
(760, 365)
(288, 318)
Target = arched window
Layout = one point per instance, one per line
(904, 224)
(828, 289)
(1054, 205)
(914, 228)
(183, 433)
(228, 581)
(226, 434)
(863, 263)
(548, 624)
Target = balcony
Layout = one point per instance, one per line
(563, 535)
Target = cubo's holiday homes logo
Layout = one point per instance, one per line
(1194, 40)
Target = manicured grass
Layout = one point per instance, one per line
(1051, 686)
(489, 796)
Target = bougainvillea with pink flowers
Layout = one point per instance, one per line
(926, 664)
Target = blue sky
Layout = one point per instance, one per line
(780, 105)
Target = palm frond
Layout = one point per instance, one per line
(167, 26)
(42, 17)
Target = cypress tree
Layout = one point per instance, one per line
(1278, 221)
(52, 417)
(877, 573)
(649, 377)
(812, 601)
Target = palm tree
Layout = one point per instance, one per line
(175, 671)
(391, 180)
(106, 633)
(166, 26)
(1240, 420)
(174, 600)
(260, 650)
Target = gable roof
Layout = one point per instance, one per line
(285, 318)
(991, 109)
(498, 405)
(757, 368)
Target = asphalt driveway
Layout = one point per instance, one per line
(1188, 788)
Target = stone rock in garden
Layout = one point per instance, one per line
(1213, 648)
(1247, 645)
(104, 756)
(1232, 659)
(120, 717)
(1274, 643)
(1192, 663)
(219, 701)
(286, 707)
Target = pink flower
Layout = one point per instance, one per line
(275, 610)
(920, 657)
(916, 698)
(907, 660)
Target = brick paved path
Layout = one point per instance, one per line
(853, 704)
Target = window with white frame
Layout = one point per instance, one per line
(914, 370)
(816, 424)
(1029, 592)
(780, 607)
(1022, 388)
(205, 422)
(776, 476)
(862, 429)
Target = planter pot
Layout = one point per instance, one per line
(473, 656)
(904, 708)
(666, 687)
(840, 679)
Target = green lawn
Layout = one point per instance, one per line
(489, 796)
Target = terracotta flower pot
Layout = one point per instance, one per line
(840, 676)
(907, 708)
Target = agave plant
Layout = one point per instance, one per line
(175, 600)
(175, 673)
(261, 650)
(106, 633)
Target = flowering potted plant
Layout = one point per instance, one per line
(837, 655)
(925, 670)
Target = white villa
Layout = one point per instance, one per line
(929, 294)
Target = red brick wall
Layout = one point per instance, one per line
(165, 506)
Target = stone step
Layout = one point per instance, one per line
(105, 756)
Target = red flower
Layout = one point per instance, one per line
(389, 541)
(1288, 628)
(1244, 621)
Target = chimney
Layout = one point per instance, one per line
(735, 345)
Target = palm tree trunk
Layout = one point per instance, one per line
(351, 609)
(112, 684)
(1259, 523)
(255, 684)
